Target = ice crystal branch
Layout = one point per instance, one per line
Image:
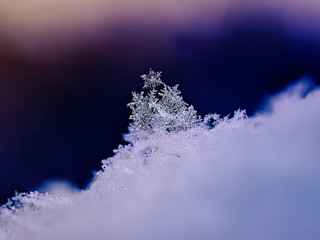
(162, 110)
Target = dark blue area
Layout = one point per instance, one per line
(60, 118)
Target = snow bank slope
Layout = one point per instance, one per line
(245, 178)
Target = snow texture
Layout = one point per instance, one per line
(236, 178)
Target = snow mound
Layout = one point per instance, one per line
(237, 178)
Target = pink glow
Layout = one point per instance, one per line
(37, 18)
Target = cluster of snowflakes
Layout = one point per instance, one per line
(162, 110)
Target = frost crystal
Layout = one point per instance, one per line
(161, 110)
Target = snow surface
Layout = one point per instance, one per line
(246, 178)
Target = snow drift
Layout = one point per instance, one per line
(235, 178)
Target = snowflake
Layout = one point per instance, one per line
(152, 80)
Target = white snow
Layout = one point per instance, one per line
(246, 178)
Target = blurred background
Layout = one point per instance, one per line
(67, 70)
